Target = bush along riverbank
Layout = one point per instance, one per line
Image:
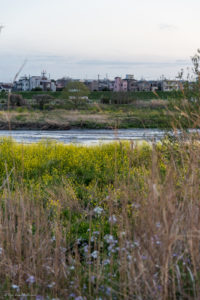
(111, 221)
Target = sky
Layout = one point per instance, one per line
(84, 38)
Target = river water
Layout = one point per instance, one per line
(85, 136)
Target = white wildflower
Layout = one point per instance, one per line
(98, 210)
(108, 291)
(78, 241)
(136, 244)
(106, 262)
(112, 219)
(93, 238)
(51, 285)
(95, 233)
(109, 238)
(85, 248)
(94, 254)
(63, 249)
(129, 257)
(30, 279)
(15, 287)
(92, 279)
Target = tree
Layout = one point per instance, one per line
(42, 100)
(192, 84)
(76, 92)
(16, 100)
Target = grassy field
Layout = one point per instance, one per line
(155, 114)
(117, 221)
(145, 110)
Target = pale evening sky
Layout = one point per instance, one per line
(83, 38)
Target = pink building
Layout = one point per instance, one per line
(120, 85)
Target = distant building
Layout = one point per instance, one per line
(92, 85)
(111, 85)
(104, 84)
(144, 86)
(30, 83)
(23, 84)
(6, 87)
(100, 85)
(120, 85)
(129, 76)
(170, 85)
(61, 83)
(155, 85)
(132, 85)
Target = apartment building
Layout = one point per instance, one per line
(120, 85)
(33, 82)
(170, 85)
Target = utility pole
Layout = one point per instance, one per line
(98, 80)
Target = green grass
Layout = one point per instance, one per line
(98, 95)
(140, 95)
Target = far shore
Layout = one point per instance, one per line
(61, 119)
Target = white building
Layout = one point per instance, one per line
(6, 87)
(30, 83)
(170, 85)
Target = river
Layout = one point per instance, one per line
(84, 136)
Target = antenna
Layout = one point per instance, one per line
(43, 73)
(1, 27)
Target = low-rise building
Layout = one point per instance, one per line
(6, 87)
(144, 86)
(33, 82)
(61, 83)
(92, 85)
(120, 85)
(104, 84)
(170, 85)
(132, 85)
(155, 85)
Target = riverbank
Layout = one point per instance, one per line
(96, 117)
